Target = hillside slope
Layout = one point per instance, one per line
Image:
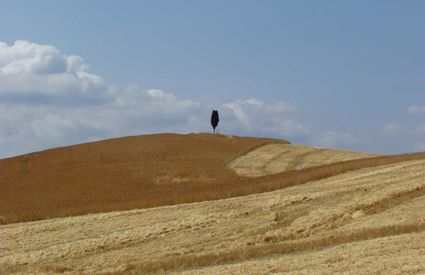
(118, 174)
(277, 157)
(367, 220)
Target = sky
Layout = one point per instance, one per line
(343, 74)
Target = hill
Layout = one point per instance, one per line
(284, 208)
(275, 158)
(145, 171)
(364, 221)
(117, 174)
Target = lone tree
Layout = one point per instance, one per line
(214, 119)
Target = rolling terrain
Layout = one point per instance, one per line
(274, 158)
(118, 174)
(324, 211)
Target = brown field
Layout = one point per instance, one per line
(117, 174)
(354, 216)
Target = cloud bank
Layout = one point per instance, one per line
(50, 99)
(31, 69)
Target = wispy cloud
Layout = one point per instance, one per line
(252, 115)
(416, 110)
(409, 137)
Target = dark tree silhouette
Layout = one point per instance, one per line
(214, 119)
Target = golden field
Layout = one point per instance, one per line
(118, 174)
(275, 158)
(206, 204)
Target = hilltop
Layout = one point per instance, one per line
(144, 171)
(259, 206)
(117, 174)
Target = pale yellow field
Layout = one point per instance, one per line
(364, 221)
(274, 158)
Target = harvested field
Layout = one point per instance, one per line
(309, 214)
(118, 174)
(362, 221)
(143, 172)
(275, 158)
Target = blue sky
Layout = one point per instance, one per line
(345, 74)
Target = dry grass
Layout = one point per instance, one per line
(143, 172)
(370, 209)
(275, 158)
(367, 220)
(118, 174)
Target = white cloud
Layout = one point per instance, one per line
(49, 99)
(240, 114)
(52, 126)
(279, 119)
(31, 69)
(27, 126)
(416, 110)
(255, 116)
